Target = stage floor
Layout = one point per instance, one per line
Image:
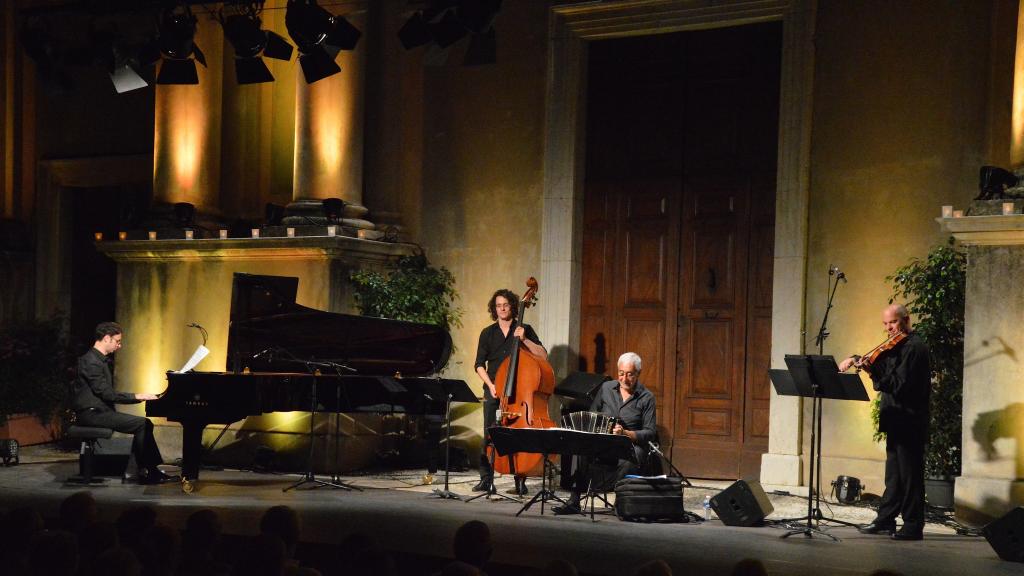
(399, 510)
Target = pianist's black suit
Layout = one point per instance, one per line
(93, 400)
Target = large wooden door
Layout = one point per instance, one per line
(679, 230)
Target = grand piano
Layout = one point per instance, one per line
(285, 357)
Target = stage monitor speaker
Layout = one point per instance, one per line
(110, 458)
(742, 504)
(1006, 535)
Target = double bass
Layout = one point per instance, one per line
(529, 381)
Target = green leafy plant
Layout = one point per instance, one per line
(34, 361)
(933, 291)
(413, 291)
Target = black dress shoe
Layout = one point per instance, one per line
(156, 476)
(903, 534)
(877, 528)
(482, 486)
(568, 508)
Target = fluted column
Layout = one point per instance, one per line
(329, 141)
(186, 138)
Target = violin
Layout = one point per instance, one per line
(869, 357)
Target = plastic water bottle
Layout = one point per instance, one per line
(707, 507)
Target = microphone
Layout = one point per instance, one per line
(835, 271)
(264, 352)
(202, 331)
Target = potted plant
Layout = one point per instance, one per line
(413, 291)
(33, 380)
(933, 291)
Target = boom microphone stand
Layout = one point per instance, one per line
(309, 477)
(814, 479)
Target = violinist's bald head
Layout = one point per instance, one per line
(896, 319)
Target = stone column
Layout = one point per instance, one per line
(186, 138)
(992, 475)
(329, 142)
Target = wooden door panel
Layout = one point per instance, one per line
(646, 337)
(709, 421)
(645, 266)
(711, 349)
(712, 275)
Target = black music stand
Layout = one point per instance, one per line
(451, 391)
(816, 377)
(547, 441)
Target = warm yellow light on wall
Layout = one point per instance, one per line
(182, 135)
(329, 132)
(1017, 118)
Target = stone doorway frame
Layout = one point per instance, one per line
(570, 27)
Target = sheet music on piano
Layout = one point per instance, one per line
(197, 357)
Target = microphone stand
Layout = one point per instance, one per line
(814, 490)
(309, 477)
(657, 450)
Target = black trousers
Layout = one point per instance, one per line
(490, 419)
(145, 453)
(599, 474)
(904, 481)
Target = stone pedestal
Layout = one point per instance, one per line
(992, 479)
(164, 285)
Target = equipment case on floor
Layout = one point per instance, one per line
(650, 499)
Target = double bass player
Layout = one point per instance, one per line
(497, 342)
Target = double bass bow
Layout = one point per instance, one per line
(529, 381)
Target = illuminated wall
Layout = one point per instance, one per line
(186, 139)
(899, 130)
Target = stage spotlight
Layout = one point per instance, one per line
(319, 37)
(250, 43)
(274, 214)
(184, 214)
(9, 451)
(448, 30)
(179, 51)
(993, 182)
(415, 32)
(333, 209)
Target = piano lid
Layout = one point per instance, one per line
(269, 332)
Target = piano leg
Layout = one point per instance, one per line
(191, 449)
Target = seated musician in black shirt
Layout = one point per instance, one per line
(633, 406)
(93, 400)
(496, 343)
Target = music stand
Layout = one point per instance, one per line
(547, 441)
(451, 391)
(816, 377)
(309, 477)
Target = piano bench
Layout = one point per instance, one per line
(88, 435)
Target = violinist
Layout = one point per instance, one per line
(496, 343)
(902, 376)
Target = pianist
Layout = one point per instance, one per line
(93, 398)
(633, 405)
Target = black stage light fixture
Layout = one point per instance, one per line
(176, 43)
(274, 214)
(319, 37)
(184, 214)
(993, 182)
(333, 209)
(250, 42)
(9, 451)
(415, 32)
(448, 30)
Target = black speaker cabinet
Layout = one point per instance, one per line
(742, 504)
(1006, 535)
(110, 458)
